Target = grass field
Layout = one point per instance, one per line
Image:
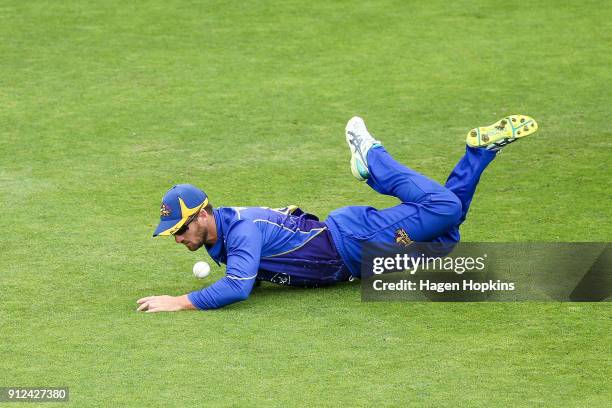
(105, 106)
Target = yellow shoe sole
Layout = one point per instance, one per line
(502, 132)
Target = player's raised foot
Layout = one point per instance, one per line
(503, 132)
(360, 142)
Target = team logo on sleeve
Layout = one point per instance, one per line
(164, 211)
(402, 238)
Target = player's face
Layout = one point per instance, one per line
(195, 233)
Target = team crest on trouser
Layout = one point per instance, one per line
(281, 279)
(402, 238)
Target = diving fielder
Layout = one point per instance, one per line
(290, 247)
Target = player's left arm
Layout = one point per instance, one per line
(244, 245)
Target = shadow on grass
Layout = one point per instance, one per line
(268, 294)
(271, 290)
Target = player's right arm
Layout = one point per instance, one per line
(244, 244)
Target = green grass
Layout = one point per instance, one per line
(104, 107)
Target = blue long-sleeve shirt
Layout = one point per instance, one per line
(285, 246)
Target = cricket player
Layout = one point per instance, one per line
(290, 247)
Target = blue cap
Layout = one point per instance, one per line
(180, 202)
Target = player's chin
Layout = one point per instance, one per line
(192, 247)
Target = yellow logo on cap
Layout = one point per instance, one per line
(164, 211)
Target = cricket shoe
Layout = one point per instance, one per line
(503, 132)
(360, 142)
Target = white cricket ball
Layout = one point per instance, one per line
(201, 269)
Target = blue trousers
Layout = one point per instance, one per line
(428, 212)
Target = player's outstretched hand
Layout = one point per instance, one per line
(165, 303)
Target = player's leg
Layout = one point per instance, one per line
(428, 209)
(465, 176)
(429, 212)
(463, 181)
(483, 144)
(370, 162)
